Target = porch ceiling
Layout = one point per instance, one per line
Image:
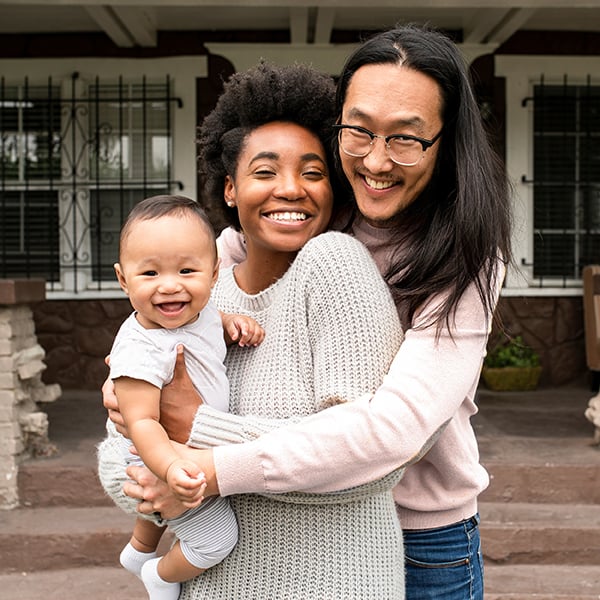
(136, 22)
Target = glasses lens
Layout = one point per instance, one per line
(402, 151)
(405, 152)
(355, 142)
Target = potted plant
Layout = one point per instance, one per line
(512, 365)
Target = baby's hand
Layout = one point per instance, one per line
(242, 329)
(187, 482)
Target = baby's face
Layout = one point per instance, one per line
(168, 268)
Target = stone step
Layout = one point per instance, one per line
(91, 583)
(542, 582)
(51, 538)
(512, 534)
(48, 482)
(45, 483)
(543, 483)
(57, 537)
(512, 582)
(520, 533)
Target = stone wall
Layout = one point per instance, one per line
(553, 326)
(23, 426)
(77, 335)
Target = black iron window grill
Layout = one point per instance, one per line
(75, 156)
(566, 181)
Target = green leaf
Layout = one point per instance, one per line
(512, 353)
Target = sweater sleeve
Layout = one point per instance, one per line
(358, 442)
(214, 427)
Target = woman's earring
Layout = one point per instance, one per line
(230, 203)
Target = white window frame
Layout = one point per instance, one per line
(182, 71)
(522, 73)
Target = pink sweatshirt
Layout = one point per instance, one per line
(430, 382)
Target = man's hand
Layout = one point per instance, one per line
(156, 496)
(187, 482)
(153, 493)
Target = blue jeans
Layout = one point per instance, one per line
(444, 563)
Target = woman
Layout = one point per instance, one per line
(431, 202)
(331, 331)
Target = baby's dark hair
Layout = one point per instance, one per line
(161, 206)
(295, 93)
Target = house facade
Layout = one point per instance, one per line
(99, 104)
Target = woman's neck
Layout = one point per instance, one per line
(257, 273)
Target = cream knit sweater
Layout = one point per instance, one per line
(428, 395)
(331, 332)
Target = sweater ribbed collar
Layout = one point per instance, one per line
(250, 302)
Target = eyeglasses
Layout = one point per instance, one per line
(405, 150)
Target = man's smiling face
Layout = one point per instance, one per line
(390, 99)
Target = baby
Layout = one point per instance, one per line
(167, 266)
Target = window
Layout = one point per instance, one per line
(29, 234)
(75, 156)
(29, 159)
(566, 185)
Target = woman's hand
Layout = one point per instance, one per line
(154, 494)
(109, 399)
(179, 402)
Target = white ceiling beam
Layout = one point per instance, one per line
(483, 22)
(140, 24)
(108, 21)
(324, 25)
(299, 25)
(514, 20)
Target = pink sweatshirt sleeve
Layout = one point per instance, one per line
(358, 442)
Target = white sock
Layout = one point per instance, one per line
(133, 560)
(158, 588)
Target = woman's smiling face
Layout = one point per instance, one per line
(281, 188)
(390, 99)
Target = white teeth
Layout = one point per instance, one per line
(288, 216)
(378, 185)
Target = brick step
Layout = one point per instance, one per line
(545, 483)
(56, 537)
(512, 582)
(512, 534)
(91, 583)
(50, 538)
(519, 533)
(542, 582)
(45, 483)
(53, 483)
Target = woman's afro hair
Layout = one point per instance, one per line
(263, 94)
